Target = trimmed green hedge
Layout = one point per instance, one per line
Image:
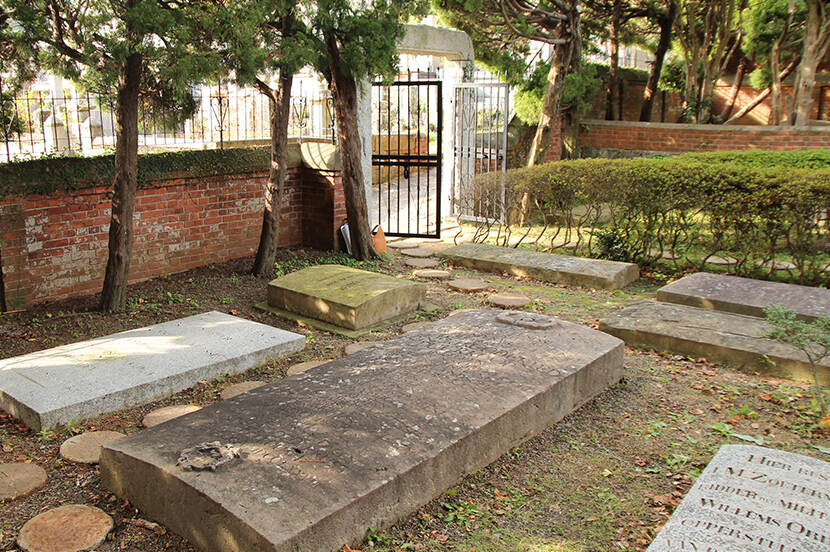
(756, 210)
(48, 175)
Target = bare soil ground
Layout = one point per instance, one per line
(605, 478)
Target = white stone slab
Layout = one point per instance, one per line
(753, 499)
(103, 375)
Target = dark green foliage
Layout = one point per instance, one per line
(45, 176)
(754, 206)
(612, 245)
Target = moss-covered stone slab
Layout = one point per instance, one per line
(548, 267)
(701, 333)
(745, 295)
(345, 296)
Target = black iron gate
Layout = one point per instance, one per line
(406, 158)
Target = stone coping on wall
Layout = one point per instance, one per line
(825, 129)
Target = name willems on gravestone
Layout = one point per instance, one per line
(753, 499)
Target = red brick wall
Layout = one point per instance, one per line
(621, 138)
(324, 209)
(56, 246)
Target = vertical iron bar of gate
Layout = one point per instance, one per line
(440, 104)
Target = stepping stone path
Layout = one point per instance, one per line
(85, 380)
(432, 274)
(416, 262)
(86, 447)
(303, 366)
(239, 388)
(714, 335)
(353, 348)
(20, 479)
(782, 265)
(344, 296)
(165, 413)
(403, 244)
(468, 284)
(420, 252)
(508, 300)
(69, 528)
(548, 267)
(745, 295)
(365, 440)
(413, 326)
(752, 499)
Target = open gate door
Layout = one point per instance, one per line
(406, 158)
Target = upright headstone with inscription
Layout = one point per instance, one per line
(753, 499)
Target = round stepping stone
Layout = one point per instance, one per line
(303, 366)
(722, 261)
(239, 388)
(165, 413)
(668, 255)
(86, 447)
(432, 274)
(508, 300)
(69, 528)
(352, 348)
(782, 265)
(416, 262)
(413, 326)
(467, 284)
(20, 479)
(417, 252)
(402, 245)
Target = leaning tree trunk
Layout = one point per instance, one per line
(280, 104)
(763, 94)
(777, 107)
(114, 292)
(344, 94)
(666, 24)
(736, 89)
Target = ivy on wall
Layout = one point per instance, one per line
(53, 174)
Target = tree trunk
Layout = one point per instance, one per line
(550, 105)
(344, 94)
(3, 306)
(816, 45)
(613, 62)
(763, 95)
(777, 107)
(666, 23)
(280, 104)
(114, 292)
(736, 89)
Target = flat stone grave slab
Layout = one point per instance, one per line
(745, 295)
(344, 296)
(103, 375)
(753, 499)
(315, 460)
(733, 338)
(548, 267)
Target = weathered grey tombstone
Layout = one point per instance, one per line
(315, 460)
(753, 499)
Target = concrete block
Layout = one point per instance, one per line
(314, 461)
(103, 375)
(733, 338)
(745, 295)
(345, 296)
(548, 267)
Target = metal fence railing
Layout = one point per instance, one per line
(36, 124)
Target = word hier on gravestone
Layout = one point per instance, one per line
(753, 499)
(314, 461)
